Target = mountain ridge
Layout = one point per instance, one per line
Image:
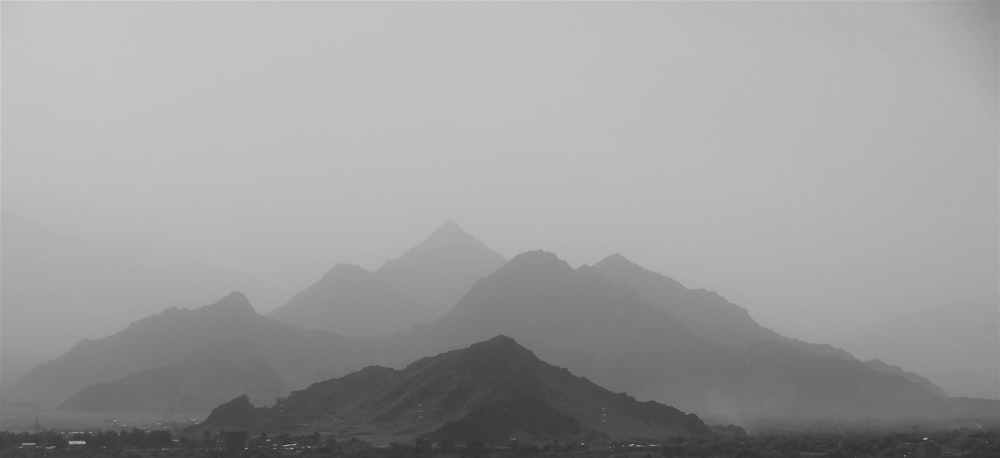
(350, 301)
(488, 391)
(435, 273)
(171, 337)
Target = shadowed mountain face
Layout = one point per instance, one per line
(490, 391)
(163, 355)
(350, 301)
(578, 318)
(436, 273)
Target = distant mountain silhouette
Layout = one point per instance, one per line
(955, 346)
(350, 301)
(490, 391)
(435, 274)
(704, 312)
(576, 318)
(617, 324)
(884, 367)
(57, 287)
(161, 355)
(603, 330)
(205, 379)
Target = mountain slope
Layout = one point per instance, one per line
(490, 391)
(705, 313)
(576, 318)
(350, 301)
(957, 347)
(601, 329)
(172, 337)
(202, 381)
(65, 287)
(435, 274)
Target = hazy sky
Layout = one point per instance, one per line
(820, 164)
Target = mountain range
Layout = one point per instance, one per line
(616, 323)
(191, 359)
(491, 391)
(603, 330)
(419, 286)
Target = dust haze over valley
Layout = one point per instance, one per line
(639, 192)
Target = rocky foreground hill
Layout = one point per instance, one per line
(490, 391)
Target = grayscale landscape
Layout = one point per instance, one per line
(695, 229)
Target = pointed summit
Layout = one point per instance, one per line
(435, 274)
(449, 228)
(501, 345)
(235, 302)
(450, 234)
(350, 301)
(617, 260)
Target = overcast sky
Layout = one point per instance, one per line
(822, 165)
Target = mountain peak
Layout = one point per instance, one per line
(436, 273)
(537, 260)
(233, 302)
(618, 261)
(449, 232)
(500, 341)
(343, 268)
(500, 350)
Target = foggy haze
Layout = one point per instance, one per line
(826, 166)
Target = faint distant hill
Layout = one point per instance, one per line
(206, 378)
(714, 318)
(956, 346)
(350, 301)
(419, 286)
(165, 355)
(490, 391)
(435, 274)
(705, 313)
(603, 330)
(57, 288)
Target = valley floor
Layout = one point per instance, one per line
(954, 443)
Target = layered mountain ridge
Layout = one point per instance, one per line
(604, 330)
(437, 272)
(351, 301)
(419, 286)
(616, 323)
(155, 360)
